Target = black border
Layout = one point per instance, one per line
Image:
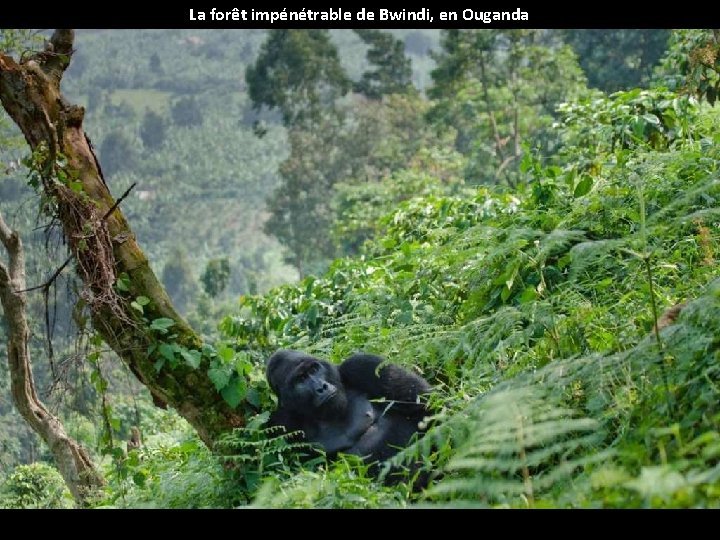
(133, 15)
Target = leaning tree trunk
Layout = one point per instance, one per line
(103, 244)
(72, 460)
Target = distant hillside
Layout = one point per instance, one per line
(203, 189)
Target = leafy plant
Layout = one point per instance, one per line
(37, 485)
(533, 314)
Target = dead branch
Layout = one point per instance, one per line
(73, 461)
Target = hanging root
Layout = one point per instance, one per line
(91, 244)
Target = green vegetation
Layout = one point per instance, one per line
(533, 312)
(543, 252)
(393, 69)
(37, 485)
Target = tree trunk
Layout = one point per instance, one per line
(72, 460)
(103, 244)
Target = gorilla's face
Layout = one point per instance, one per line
(306, 385)
(311, 383)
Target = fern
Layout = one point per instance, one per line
(531, 315)
(255, 452)
(521, 443)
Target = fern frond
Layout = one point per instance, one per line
(521, 442)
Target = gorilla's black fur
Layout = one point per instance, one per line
(354, 408)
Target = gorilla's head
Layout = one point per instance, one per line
(306, 385)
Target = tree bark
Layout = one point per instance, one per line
(102, 242)
(72, 460)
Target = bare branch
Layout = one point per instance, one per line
(5, 232)
(4, 276)
(72, 460)
(117, 203)
(13, 246)
(503, 166)
(45, 286)
(5, 235)
(488, 107)
(55, 59)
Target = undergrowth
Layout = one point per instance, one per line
(533, 315)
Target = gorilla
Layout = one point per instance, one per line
(353, 408)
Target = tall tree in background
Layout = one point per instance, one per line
(178, 279)
(153, 130)
(299, 72)
(392, 73)
(128, 306)
(215, 277)
(117, 152)
(186, 112)
(395, 155)
(498, 89)
(617, 59)
(300, 214)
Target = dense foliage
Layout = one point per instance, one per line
(533, 313)
(543, 253)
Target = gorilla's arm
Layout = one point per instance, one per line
(391, 382)
(285, 418)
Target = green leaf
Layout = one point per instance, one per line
(142, 300)
(136, 307)
(528, 295)
(168, 351)
(584, 186)
(389, 243)
(139, 478)
(220, 377)
(312, 315)
(257, 421)
(234, 392)
(569, 177)
(505, 294)
(192, 357)
(123, 283)
(188, 447)
(309, 287)
(226, 353)
(526, 162)
(553, 171)
(253, 398)
(162, 325)
(243, 365)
